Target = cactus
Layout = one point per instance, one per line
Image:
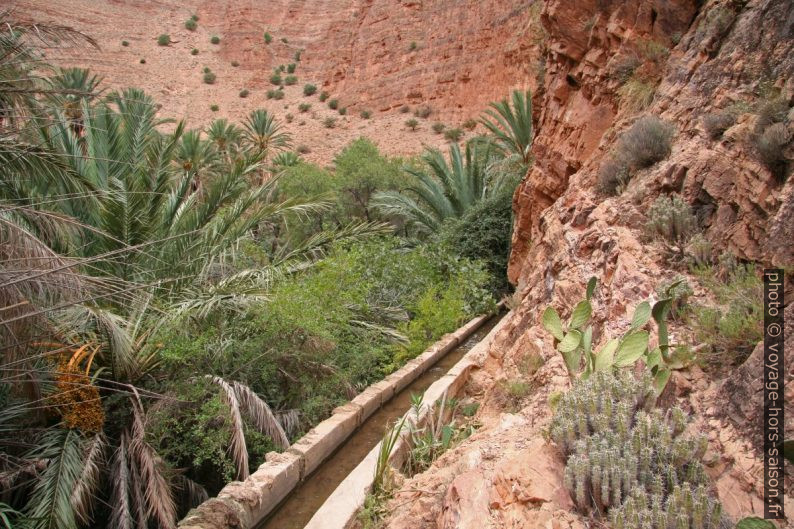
(629, 459)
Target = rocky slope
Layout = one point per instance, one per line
(453, 56)
(507, 475)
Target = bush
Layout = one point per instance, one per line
(731, 329)
(309, 89)
(209, 77)
(637, 93)
(243, 93)
(289, 118)
(453, 134)
(624, 67)
(405, 109)
(423, 112)
(366, 114)
(329, 123)
(215, 39)
(290, 80)
(438, 128)
(214, 108)
(206, 69)
(333, 104)
(268, 38)
(194, 51)
(613, 176)
(412, 124)
(303, 149)
(470, 124)
(304, 107)
(164, 40)
(291, 67)
(275, 94)
(142, 61)
(235, 64)
(649, 140)
(194, 17)
(770, 146)
(297, 56)
(343, 111)
(483, 234)
(717, 123)
(190, 24)
(125, 43)
(284, 40)
(324, 96)
(276, 79)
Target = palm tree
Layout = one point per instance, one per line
(263, 133)
(443, 189)
(511, 127)
(226, 137)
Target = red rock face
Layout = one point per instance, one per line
(454, 55)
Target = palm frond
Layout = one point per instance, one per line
(237, 445)
(121, 512)
(83, 492)
(261, 414)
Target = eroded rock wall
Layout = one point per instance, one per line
(566, 232)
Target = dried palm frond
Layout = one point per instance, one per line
(121, 513)
(237, 445)
(156, 489)
(82, 495)
(261, 414)
(289, 421)
(194, 493)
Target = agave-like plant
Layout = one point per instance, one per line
(511, 126)
(443, 189)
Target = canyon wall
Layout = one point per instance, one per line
(720, 53)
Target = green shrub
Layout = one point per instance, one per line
(649, 140)
(303, 149)
(637, 93)
(142, 61)
(613, 176)
(652, 50)
(729, 331)
(244, 93)
(324, 96)
(214, 108)
(284, 40)
(206, 69)
(164, 40)
(194, 51)
(329, 123)
(453, 134)
(309, 89)
(483, 234)
(297, 56)
(215, 39)
(405, 109)
(125, 43)
(190, 24)
(235, 64)
(343, 111)
(365, 114)
(304, 107)
(333, 104)
(268, 38)
(280, 69)
(412, 123)
(413, 46)
(470, 124)
(291, 67)
(290, 80)
(624, 67)
(275, 94)
(209, 77)
(438, 127)
(276, 79)
(194, 17)
(423, 112)
(289, 118)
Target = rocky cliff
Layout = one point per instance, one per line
(721, 54)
